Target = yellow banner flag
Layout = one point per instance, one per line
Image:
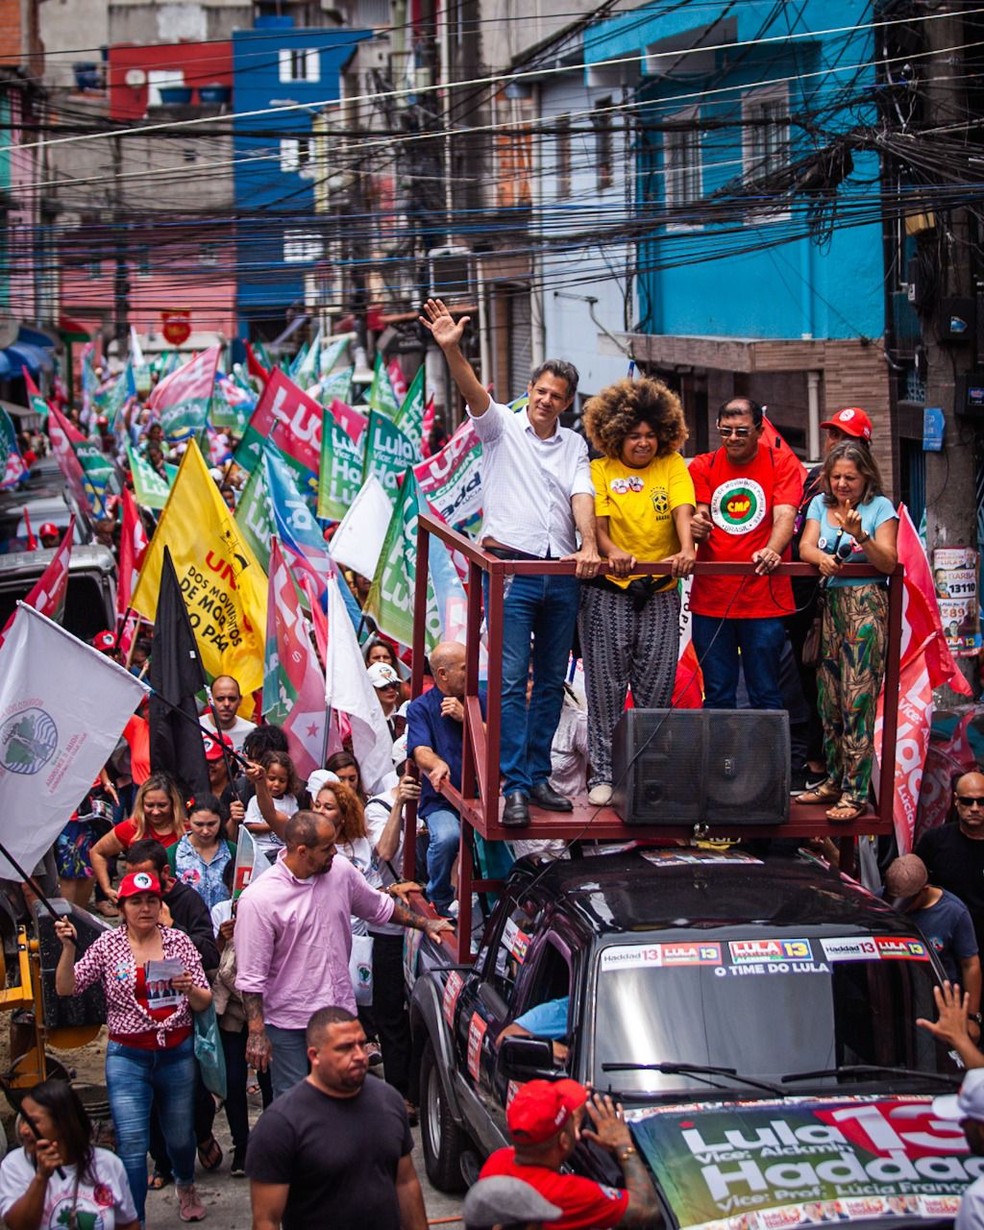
(223, 585)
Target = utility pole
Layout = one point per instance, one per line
(951, 515)
(121, 280)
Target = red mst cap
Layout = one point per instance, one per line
(48, 530)
(105, 642)
(139, 882)
(541, 1109)
(852, 421)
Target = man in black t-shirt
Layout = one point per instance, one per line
(954, 853)
(335, 1149)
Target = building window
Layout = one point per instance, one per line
(300, 64)
(682, 167)
(765, 144)
(295, 153)
(601, 121)
(302, 247)
(563, 172)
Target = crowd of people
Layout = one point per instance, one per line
(304, 967)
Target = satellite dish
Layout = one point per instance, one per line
(135, 77)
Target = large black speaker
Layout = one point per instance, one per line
(714, 767)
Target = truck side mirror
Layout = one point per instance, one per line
(525, 1059)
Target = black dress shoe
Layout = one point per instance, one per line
(516, 813)
(543, 795)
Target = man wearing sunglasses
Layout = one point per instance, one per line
(747, 496)
(954, 853)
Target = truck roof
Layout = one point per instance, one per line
(654, 889)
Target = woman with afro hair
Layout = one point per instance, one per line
(629, 624)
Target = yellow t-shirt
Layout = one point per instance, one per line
(639, 505)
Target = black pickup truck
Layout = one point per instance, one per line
(757, 1018)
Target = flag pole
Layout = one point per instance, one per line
(228, 751)
(29, 880)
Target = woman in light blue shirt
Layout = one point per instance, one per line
(199, 858)
(850, 521)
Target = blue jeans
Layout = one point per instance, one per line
(290, 1062)
(136, 1080)
(443, 839)
(543, 609)
(718, 643)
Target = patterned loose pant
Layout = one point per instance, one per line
(849, 677)
(623, 647)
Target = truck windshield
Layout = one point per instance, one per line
(765, 1007)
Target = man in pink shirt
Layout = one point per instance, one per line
(294, 939)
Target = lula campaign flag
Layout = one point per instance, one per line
(388, 452)
(341, 470)
(182, 399)
(51, 749)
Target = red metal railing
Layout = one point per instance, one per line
(478, 802)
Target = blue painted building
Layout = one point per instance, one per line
(759, 249)
(280, 238)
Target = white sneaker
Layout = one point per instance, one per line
(600, 795)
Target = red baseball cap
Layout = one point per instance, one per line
(48, 530)
(852, 421)
(105, 642)
(541, 1109)
(213, 746)
(139, 882)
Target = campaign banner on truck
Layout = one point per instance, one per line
(775, 1165)
(452, 480)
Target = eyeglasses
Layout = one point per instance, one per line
(741, 432)
(968, 800)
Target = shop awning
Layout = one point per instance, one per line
(31, 349)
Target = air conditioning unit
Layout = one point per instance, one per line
(451, 274)
(722, 768)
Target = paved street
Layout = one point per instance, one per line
(227, 1199)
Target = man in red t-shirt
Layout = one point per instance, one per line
(747, 495)
(544, 1121)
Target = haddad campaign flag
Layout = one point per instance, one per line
(410, 418)
(341, 470)
(63, 438)
(38, 404)
(51, 749)
(388, 452)
(290, 419)
(149, 488)
(381, 395)
(391, 600)
(452, 479)
(221, 580)
(182, 400)
(12, 467)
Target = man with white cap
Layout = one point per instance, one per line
(967, 1109)
(502, 1203)
(386, 683)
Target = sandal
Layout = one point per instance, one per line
(846, 811)
(159, 1179)
(826, 792)
(210, 1154)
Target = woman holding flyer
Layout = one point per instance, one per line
(150, 1057)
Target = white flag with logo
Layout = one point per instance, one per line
(63, 706)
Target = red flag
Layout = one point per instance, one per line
(772, 436)
(254, 366)
(133, 544)
(319, 618)
(915, 705)
(922, 628)
(427, 426)
(32, 542)
(48, 592)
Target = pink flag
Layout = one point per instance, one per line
(182, 400)
(48, 592)
(319, 620)
(915, 704)
(350, 420)
(292, 420)
(63, 435)
(306, 722)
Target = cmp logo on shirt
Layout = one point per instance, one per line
(28, 740)
(738, 506)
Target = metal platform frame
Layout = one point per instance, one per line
(479, 801)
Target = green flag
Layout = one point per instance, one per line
(254, 516)
(331, 356)
(381, 396)
(149, 488)
(391, 596)
(410, 418)
(388, 452)
(340, 475)
(337, 385)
